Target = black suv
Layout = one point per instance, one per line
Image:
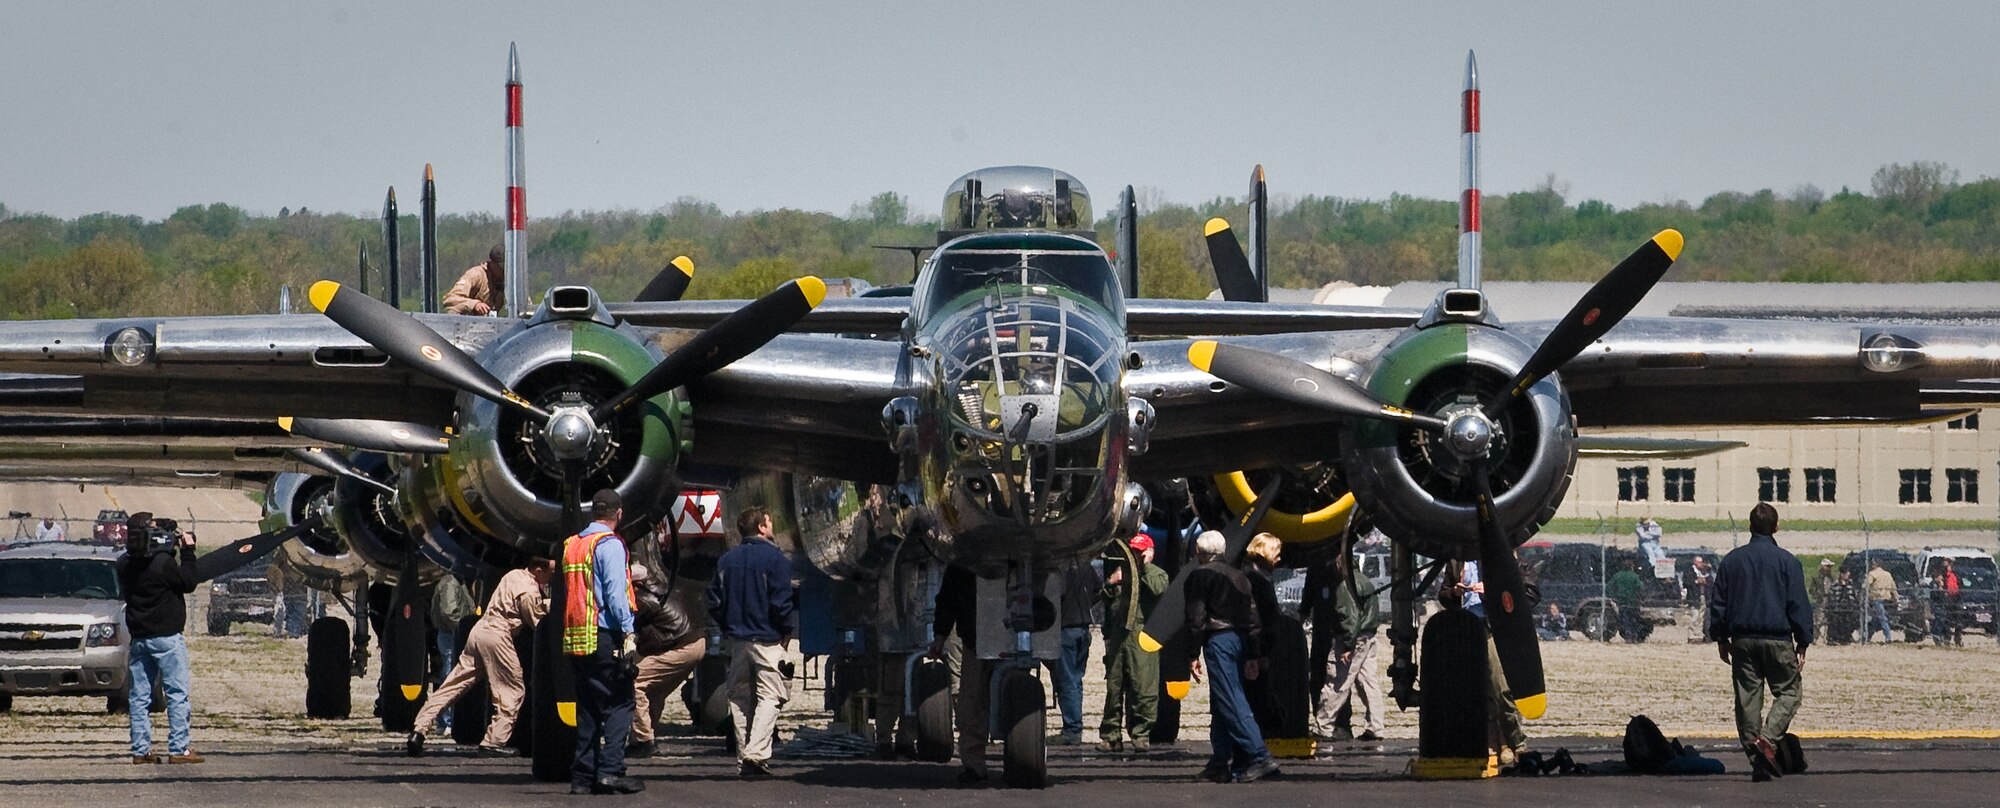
(242, 595)
(1575, 575)
(1907, 614)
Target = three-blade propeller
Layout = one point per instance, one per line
(409, 341)
(1602, 307)
(362, 433)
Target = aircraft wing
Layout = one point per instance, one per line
(1144, 317)
(254, 366)
(806, 403)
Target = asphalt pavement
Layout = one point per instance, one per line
(695, 771)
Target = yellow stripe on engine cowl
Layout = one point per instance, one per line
(1214, 226)
(1291, 528)
(1670, 242)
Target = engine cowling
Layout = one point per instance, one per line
(1415, 489)
(320, 556)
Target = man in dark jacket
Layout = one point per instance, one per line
(1762, 627)
(1080, 588)
(956, 609)
(752, 602)
(670, 646)
(156, 586)
(1221, 616)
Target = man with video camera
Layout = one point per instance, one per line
(156, 585)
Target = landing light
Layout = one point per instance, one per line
(1886, 353)
(130, 346)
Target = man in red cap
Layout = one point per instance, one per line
(1132, 676)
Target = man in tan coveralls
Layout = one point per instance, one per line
(483, 288)
(516, 604)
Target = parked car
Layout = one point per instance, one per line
(1575, 575)
(109, 529)
(1908, 613)
(242, 595)
(62, 623)
(1978, 583)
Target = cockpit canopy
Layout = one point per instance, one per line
(1016, 197)
(1041, 264)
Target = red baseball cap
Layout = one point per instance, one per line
(1142, 542)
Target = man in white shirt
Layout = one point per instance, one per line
(50, 530)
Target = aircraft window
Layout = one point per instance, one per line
(954, 274)
(58, 578)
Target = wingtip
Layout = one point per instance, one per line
(1670, 242)
(1202, 354)
(684, 264)
(321, 294)
(814, 289)
(1214, 226)
(1533, 706)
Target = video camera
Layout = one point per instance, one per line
(161, 537)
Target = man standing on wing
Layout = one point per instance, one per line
(1762, 627)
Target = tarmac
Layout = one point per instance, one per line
(696, 771)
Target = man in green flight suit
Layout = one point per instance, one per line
(1132, 676)
(1624, 591)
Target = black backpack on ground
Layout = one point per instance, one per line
(1791, 756)
(1647, 749)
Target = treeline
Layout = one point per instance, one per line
(1916, 223)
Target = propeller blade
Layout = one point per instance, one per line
(1232, 269)
(1509, 615)
(382, 436)
(238, 554)
(731, 338)
(1289, 379)
(1597, 311)
(411, 342)
(405, 644)
(333, 463)
(1166, 628)
(670, 284)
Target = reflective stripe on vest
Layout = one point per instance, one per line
(580, 593)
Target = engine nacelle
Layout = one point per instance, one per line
(320, 556)
(1415, 488)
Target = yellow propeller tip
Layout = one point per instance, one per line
(1533, 706)
(1177, 690)
(412, 692)
(1202, 354)
(684, 264)
(429, 175)
(814, 289)
(566, 710)
(1670, 242)
(1214, 226)
(285, 423)
(321, 294)
(1148, 644)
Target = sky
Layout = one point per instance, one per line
(141, 108)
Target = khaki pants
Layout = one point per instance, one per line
(757, 692)
(659, 674)
(1754, 664)
(489, 655)
(969, 709)
(1355, 677)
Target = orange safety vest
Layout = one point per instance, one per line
(580, 592)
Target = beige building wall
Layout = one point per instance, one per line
(1867, 464)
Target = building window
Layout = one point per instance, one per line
(1915, 487)
(1679, 484)
(1961, 485)
(1633, 484)
(1968, 422)
(1774, 485)
(1819, 485)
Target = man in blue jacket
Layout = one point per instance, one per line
(751, 600)
(1762, 626)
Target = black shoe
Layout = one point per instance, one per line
(1214, 775)
(1766, 756)
(414, 745)
(1758, 774)
(971, 777)
(754, 768)
(616, 785)
(1368, 736)
(885, 751)
(642, 749)
(1268, 767)
(493, 751)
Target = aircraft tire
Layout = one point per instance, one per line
(1598, 620)
(329, 692)
(473, 708)
(1023, 719)
(218, 625)
(1451, 723)
(931, 691)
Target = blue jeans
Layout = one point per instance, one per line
(1878, 611)
(164, 659)
(1067, 676)
(1233, 737)
(447, 641)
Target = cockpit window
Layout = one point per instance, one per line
(958, 273)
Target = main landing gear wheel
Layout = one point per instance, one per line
(474, 706)
(328, 693)
(707, 705)
(930, 690)
(1451, 721)
(1599, 621)
(1023, 714)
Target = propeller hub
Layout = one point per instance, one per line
(1469, 434)
(569, 432)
